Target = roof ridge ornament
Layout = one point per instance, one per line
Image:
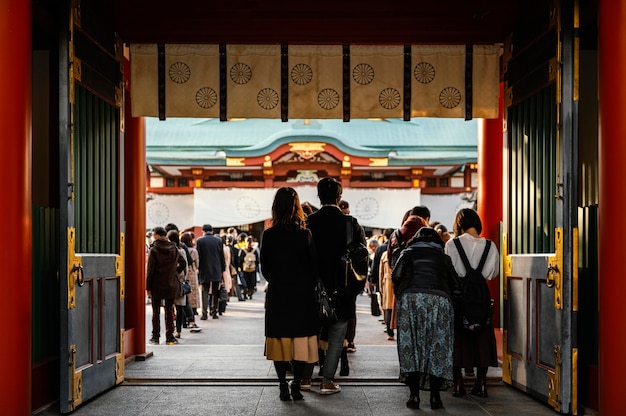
(307, 150)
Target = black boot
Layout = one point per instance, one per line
(480, 387)
(435, 397)
(459, 389)
(284, 392)
(414, 387)
(345, 366)
(295, 392)
(413, 402)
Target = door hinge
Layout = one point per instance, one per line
(554, 381)
(76, 380)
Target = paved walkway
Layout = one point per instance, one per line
(222, 371)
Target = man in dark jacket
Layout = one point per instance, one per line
(329, 229)
(162, 285)
(211, 266)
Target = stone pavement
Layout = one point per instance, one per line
(222, 371)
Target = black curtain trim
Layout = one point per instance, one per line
(469, 68)
(161, 79)
(346, 83)
(407, 83)
(223, 82)
(284, 82)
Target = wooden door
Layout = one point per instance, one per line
(541, 235)
(93, 256)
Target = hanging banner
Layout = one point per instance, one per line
(253, 81)
(440, 78)
(376, 81)
(376, 208)
(192, 82)
(438, 84)
(315, 82)
(166, 209)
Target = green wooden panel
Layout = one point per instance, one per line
(532, 173)
(96, 174)
(46, 257)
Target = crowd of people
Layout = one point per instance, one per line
(416, 278)
(212, 268)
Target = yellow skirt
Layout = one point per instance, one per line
(288, 349)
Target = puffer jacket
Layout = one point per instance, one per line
(424, 267)
(164, 264)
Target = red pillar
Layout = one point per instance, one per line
(612, 153)
(15, 148)
(135, 217)
(489, 199)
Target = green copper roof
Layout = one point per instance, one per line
(210, 141)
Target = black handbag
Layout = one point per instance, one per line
(185, 287)
(374, 304)
(357, 256)
(326, 309)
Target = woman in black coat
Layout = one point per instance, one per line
(291, 322)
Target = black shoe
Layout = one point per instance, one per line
(435, 402)
(204, 317)
(215, 316)
(413, 402)
(295, 392)
(284, 392)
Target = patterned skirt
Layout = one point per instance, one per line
(425, 337)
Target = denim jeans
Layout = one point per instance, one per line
(336, 335)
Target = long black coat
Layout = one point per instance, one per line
(287, 264)
(211, 258)
(328, 226)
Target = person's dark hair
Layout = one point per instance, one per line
(387, 233)
(172, 235)
(286, 210)
(329, 190)
(242, 237)
(343, 204)
(171, 226)
(405, 216)
(229, 239)
(421, 211)
(207, 228)
(466, 219)
(187, 238)
(160, 231)
(307, 208)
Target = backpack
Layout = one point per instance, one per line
(477, 305)
(249, 262)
